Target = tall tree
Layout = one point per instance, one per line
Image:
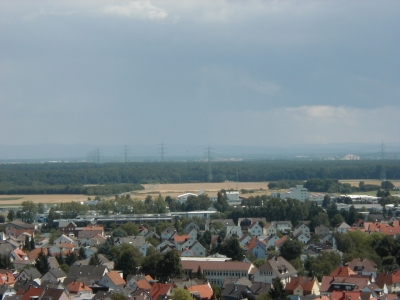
(232, 249)
(42, 263)
(27, 244)
(81, 253)
(32, 243)
(181, 294)
(71, 258)
(170, 265)
(11, 215)
(95, 260)
(5, 262)
(291, 250)
(277, 291)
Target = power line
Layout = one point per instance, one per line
(162, 149)
(126, 151)
(209, 158)
(383, 171)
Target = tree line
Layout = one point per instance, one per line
(68, 178)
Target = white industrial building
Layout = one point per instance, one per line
(299, 192)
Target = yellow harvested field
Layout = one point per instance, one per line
(355, 182)
(6, 199)
(211, 189)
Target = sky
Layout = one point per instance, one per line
(209, 72)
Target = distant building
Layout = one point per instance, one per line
(299, 192)
(233, 198)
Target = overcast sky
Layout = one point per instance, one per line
(254, 73)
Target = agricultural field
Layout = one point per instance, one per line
(173, 190)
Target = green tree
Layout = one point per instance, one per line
(119, 296)
(32, 243)
(41, 208)
(127, 258)
(150, 264)
(42, 263)
(387, 185)
(181, 294)
(71, 258)
(60, 258)
(232, 249)
(291, 250)
(170, 265)
(119, 232)
(81, 254)
(11, 215)
(130, 228)
(217, 293)
(277, 291)
(95, 260)
(27, 244)
(5, 262)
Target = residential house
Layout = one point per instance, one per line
(329, 284)
(282, 226)
(67, 227)
(91, 274)
(301, 228)
(168, 233)
(78, 287)
(256, 247)
(90, 232)
(302, 286)
(363, 266)
(29, 274)
(269, 229)
(54, 275)
(160, 291)
(321, 230)
(63, 239)
(246, 222)
(244, 239)
(17, 224)
(390, 279)
(224, 222)
(275, 267)
(188, 226)
(198, 249)
(279, 243)
(255, 229)
(342, 227)
(112, 280)
(237, 292)
(233, 231)
(201, 291)
(271, 240)
(302, 237)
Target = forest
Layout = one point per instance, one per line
(71, 178)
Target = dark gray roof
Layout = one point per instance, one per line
(6, 248)
(93, 273)
(58, 273)
(24, 284)
(236, 291)
(32, 273)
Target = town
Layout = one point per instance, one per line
(292, 244)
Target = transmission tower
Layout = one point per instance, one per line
(162, 149)
(209, 153)
(97, 156)
(126, 150)
(383, 171)
(237, 181)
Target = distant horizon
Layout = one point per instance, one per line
(114, 153)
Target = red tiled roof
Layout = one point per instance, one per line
(115, 278)
(35, 252)
(342, 271)
(181, 238)
(204, 290)
(281, 241)
(93, 228)
(32, 291)
(143, 284)
(159, 289)
(342, 295)
(77, 286)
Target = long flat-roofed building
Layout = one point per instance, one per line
(217, 271)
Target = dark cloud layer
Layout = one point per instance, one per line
(220, 72)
